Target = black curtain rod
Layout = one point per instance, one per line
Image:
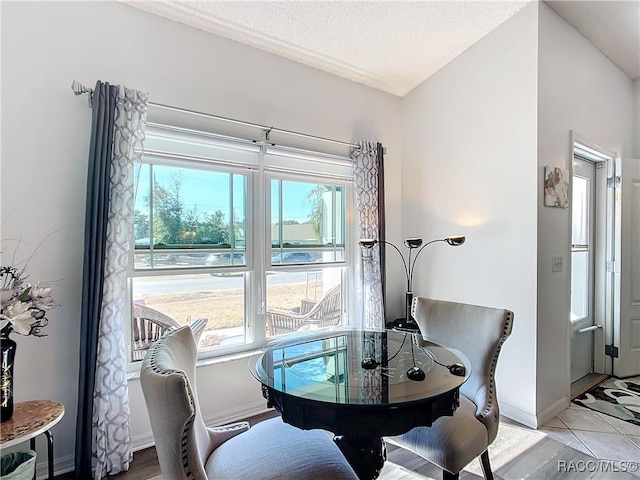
(80, 89)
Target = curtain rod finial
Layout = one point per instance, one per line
(79, 89)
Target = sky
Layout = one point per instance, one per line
(210, 191)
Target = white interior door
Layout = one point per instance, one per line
(627, 269)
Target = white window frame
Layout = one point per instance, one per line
(338, 171)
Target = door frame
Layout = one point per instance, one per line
(603, 287)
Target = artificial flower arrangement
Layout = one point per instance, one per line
(23, 305)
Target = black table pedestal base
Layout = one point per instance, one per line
(366, 455)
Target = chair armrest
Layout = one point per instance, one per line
(149, 314)
(221, 434)
(307, 305)
(197, 328)
(279, 322)
(284, 313)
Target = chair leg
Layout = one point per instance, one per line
(486, 466)
(450, 476)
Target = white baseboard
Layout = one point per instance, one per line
(236, 414)
(553, 410)
(530, 420)
(145, 440)
(142, 441)
(60, 465)
(518, 415)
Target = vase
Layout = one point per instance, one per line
(6, 374)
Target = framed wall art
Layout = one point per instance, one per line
(556, 187)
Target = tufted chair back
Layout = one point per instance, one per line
(479, 333)
(168, 383)
(189, 450)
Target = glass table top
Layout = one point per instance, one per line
(356, 367)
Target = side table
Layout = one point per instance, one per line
(29, 420)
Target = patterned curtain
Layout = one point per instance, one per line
(369, 184)
(103, 443)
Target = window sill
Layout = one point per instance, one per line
(134, 373)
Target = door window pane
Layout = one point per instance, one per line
(580, 250)
(580, 215)
(579, 285)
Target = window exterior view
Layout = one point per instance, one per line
(223, 232)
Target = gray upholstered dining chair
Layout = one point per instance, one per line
(479, 332)
(188, 449)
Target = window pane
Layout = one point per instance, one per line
(579, 285)
(300, 300)
(220, 299)
(307, 222)
(142, 208)
(580, 220)
(239, 211)
(179, 210)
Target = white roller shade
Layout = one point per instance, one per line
(161, 141)
(284, 159)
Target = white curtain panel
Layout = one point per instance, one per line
(111, 443)
(367, 177)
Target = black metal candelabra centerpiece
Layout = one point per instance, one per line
(412, 243)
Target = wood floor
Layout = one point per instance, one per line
(519, 452)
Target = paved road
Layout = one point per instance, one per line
(199, 283)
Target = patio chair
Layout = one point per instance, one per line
(149, 325)
(325, 313)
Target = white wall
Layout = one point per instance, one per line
(469, 166)
(581, 90)
(45, 135)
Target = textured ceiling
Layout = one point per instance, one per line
(393, 45)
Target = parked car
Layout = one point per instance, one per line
(293, 257)
(224, 260)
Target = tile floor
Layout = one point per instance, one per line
(596, 434)
(572, 438)
(521, 452)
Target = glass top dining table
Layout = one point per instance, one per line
(361, 385)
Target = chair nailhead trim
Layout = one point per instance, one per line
(186, 432)
(506, 331)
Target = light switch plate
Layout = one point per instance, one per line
(557, 264)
